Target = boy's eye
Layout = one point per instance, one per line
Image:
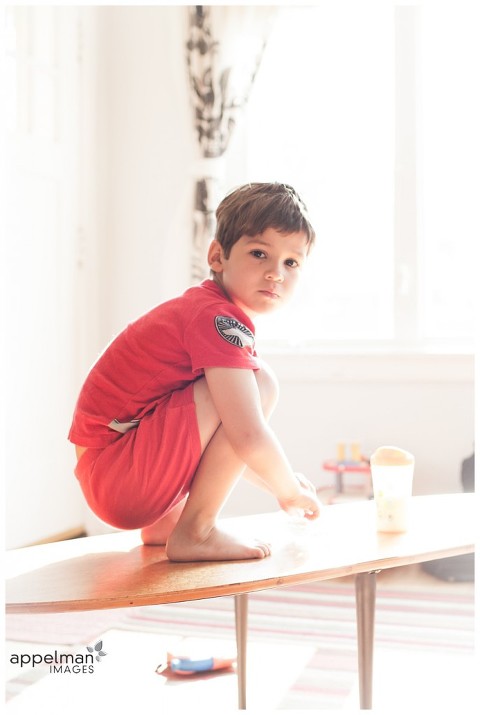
(291, 262)
(258, 253)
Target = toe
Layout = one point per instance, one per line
(265, 549)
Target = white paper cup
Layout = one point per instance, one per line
(392, 480)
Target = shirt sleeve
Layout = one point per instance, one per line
(221, 336)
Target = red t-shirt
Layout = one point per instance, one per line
(164, 350)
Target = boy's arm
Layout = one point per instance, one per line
(236, 397)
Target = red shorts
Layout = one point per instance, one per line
(137, 479)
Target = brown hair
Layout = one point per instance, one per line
(252, 208)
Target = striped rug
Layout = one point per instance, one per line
(411, 624)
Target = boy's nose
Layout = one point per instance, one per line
(274, 273)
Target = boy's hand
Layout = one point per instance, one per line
(304, 504)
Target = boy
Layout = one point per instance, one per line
(176, 408)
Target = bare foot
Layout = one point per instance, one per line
(217, 546)
(157, 533)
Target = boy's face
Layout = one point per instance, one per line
(262, 271)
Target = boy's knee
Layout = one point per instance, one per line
(268, 387)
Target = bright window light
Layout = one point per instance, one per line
(323, 115)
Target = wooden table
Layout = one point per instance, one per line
(116, 570)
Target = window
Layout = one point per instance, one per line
(449, 159)
(349, 107)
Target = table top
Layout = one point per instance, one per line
(117, 570)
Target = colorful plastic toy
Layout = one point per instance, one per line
(185, 665)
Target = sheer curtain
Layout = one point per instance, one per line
(224, 48)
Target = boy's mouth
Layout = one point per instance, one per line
(270, 294)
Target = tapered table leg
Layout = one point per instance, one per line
(365, 591)
(241, 619)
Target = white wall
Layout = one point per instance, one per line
(148, 150)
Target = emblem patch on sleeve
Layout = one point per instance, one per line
(234, 332)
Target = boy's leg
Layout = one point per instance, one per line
(196, 536)
(158, 532)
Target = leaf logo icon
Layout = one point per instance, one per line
(97, 648)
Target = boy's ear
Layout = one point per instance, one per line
(215, 256)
